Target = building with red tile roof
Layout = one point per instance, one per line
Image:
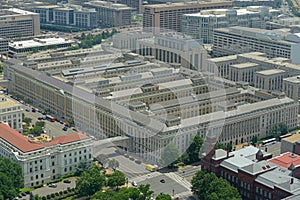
(286, 160)
(42, 161)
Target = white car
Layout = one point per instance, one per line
(134, 183)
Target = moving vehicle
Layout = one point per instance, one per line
(151, 168)
(134, 183)
(269, 141)
(50, 118)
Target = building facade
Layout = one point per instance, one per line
(111, 14)
(291, 87)
(174, 48)
(269, 80)
(44, 159)
(18, 23)
(275, 43)
(201, 25)
(3, 47)
(168, 16)
(11, 113)
(255, 177)
(67, 16)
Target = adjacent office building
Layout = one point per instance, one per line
(111, 14)
(275, 43)
(174, 48)
(44, 158)
(159, 17)
(11, 113)
(3, 47)
(67, 16)
(202, 25)
(18, 23)
(136, 4)
(291, 87)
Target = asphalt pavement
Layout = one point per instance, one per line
(51, 128)
(128, 166)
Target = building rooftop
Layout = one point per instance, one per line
(236, 162)
(245, 65)
(258, 167)
(293, 138)
(286, 160)
(276, 177)
(7, 102)
(294, 79)
(15, 12)
(270, 72)
(22, 143)
(39, 42)
(183, 4)
(248, 152)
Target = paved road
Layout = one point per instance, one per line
(127, 166)
(52, 128)
(188, 172)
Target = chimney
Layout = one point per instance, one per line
(292, 180)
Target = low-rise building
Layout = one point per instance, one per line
(38, 44)
(11, 113)
(44, 158)
(253, 175)
(291, 144)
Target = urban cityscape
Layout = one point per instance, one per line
(149, 99)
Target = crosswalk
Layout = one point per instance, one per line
(179, 180)
(144, 177)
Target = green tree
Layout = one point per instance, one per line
(40, 123)
(209, 186)
(70, 121)
(37, 130)
(11, 178)
(102, 159)
(106, 195)
(27, 120)
(278, 130)
(194, 149)
(83, 166)
(254, 140)
(145, 192)
(116, 179)
(169, 155)
(163, 197)
(113, 164)
(90, 182)
(220, 146)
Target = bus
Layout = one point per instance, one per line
(50, 118)
(269, 141)
(284, 136)
(151, 168)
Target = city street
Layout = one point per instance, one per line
(274, 149)
(129, 167)
(52, 128)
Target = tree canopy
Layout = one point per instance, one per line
(143, 192)
(11, 178)
(113, 164)
(83, 166)
(210, 187)
(116, 179)
(169, 155)
(90, 182)
(163, 197)
(194, 150)
(278, 130)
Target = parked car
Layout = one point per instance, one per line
(53, 185)
(27, 110)
(67, 181)
(33, 110)
(65, 128)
